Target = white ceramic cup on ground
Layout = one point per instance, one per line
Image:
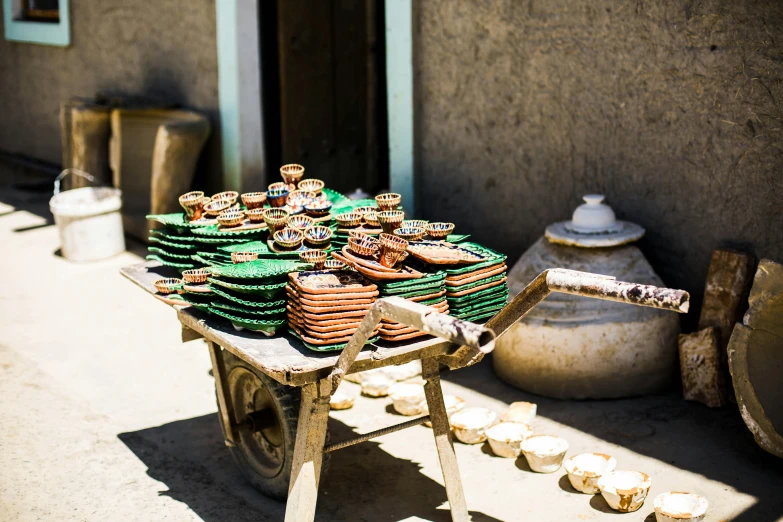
(505, 438)
(625, 491)
(585, 469)
(675, 506)
(470, 424)
(544, 453)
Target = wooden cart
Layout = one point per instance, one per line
(273, 393)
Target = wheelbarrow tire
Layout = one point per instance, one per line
(264, 456)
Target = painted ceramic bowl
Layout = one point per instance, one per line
(316, 257)
(243, 257)
(625, 491)
(585, 469)
(390, 220)
(544, 453)
(230, 195)
(318, 235)
(391, 249)
(406, 398)
(288, 238)
(196, 276)
(349, 219)
(364, 246)
(279, 185)
(318, 207)
(300, 222)
(231, 218)
(193, 203)
(168, 285)
(410, 233)
(216, 206)
(418, 223)
(254, 199)
(453, 405)
(371, 218)
(334, 264)
(470, 424)
(277, 197)
(292, 172)
(276, 218)
(439, 230)
(364, 210)
(311, 185)
(255, 215)
(677, 507)
(300, 198)
(505, 438)
(388, 201)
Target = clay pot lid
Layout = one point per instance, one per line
(593, 225)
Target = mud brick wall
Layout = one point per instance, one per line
(671, 108)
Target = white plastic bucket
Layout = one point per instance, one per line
(88, 220)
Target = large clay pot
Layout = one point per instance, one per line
(574, 347)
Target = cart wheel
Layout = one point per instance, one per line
(267, 414)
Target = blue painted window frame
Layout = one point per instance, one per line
(45, 33)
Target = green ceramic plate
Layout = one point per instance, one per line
(256, 296)
(261, 269)
(222, 241)
(328, 347)
(474, 284)
(489, 293)
(170, 234)
(414, 293)
(166, 262)
(493, 259)
(241, 311)
(478, 316)
(432, 286)
(435, 278)
(173, 244)
(213, 231)
(177, 258)
(481, 303)
(205, 261)
(259, 247)
(267, 326)
(176, 220)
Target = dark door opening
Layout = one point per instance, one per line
(324, 80)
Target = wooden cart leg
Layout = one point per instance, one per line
(308, 453)
(225, 408)
(442, 432)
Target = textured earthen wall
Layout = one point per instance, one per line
(163, 49)
(672, 108)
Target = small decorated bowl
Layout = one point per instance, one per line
(390, 220)
(300, 198)
(292, 172)
(276, 218)
(311, 185)
(216, 206)
(439, 230)
(255, 215)
(196, 276)
(230, 195)
(168, 285)
(334, 264)
(371, 218)
(230, 218)
(318, 207)
(193, 203)
(318, 235)
(300, 222)
(363, 246)
(392, 250)
(410, 233)
(288, 238)
(364, 210)
(349, 219)
(417, 223)
(277, 197)
(279, 185)
(254, 199)
(389, 201)
(243, 257)
(316, 257)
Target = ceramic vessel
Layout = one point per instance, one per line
(406, 398)
(349, 219)
(470, 424)
(371, 218)
(364, 210)
(255, 215)
(417, 223)
(299, 198)
(288, 238)
(277, 197)
(216, 206)
(625, 491)
(316, 257)
(276, 219)
(453, 405)
(254, 199)
(333, 264)
(410, 233)
(389, 201)
(318, 208)
(574, 347)
(677, 507)
(196, 276)
(376, 385)
(392, 249)
(505, 438)
(342, 399)
(228, 195)
(279, 185)
(524, 412)
(311, 185)
(193, 203)
(292, 173)
(544, 453)
(300, 222)
(390, 220)
(363, 246)
(318, 235)
(168, 285)
(243, 257)
(584, 470)
(231, 218)
(439, 230)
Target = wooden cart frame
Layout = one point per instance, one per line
(264, 375)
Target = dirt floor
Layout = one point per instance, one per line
(107, 416)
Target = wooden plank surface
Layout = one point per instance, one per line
(283, 357)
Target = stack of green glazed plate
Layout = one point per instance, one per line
(174, 243)
(478, 291)
(429, 290)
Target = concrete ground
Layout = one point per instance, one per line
(107, 416)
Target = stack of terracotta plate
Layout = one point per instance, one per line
(325, 307)
(429, 290)
(477, 291)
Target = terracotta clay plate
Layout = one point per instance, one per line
(319, 317)
(402, 337)
(299, 293)
(442, 253)
(471, 277)
(477, 288)
(321, 342)
(330, 282)
(339, 324)
(404, 273)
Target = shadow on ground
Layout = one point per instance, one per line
(363, 482)
(711, 442)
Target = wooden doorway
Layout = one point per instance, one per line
(328, 98)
